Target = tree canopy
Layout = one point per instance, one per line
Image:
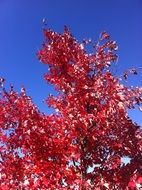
(82, 145)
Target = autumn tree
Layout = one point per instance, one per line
(82, 145)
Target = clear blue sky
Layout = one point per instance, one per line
(21, 37)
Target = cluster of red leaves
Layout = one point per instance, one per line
(82, 146)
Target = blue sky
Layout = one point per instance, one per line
(21, 37)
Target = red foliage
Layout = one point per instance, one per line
(82, 146)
